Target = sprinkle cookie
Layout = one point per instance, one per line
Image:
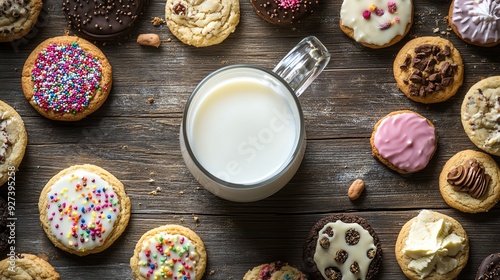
(202, 23)
(169, 252)
(84, 209)
(27, 266)
(284, 12)
(66, 78)
(376, 23)
(17, 18)
(13, 141)
(274, 271)
(428, 70)
(476, 22)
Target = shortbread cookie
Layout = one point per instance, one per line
(202, 23)
(470, 182)
(84, 209)
(404, 141)
(170, 252)
(66, 78)
(476, 22)
(284, 12)
(274, 271)
(27, 266)
(489, 268)
(480, 115)
(17, 18)
(102, 19)
(376, 23)
(428, 70)
(342, 245)
(432, 246)
(13, 141)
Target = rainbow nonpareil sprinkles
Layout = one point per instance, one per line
(65, 78)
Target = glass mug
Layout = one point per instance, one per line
(242, 133)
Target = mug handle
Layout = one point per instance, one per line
(303, 64)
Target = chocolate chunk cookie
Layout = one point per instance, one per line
(17, 18)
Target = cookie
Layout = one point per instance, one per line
(66, 78)
(169, 251)
(202, 23)
(13, 141)
(404, 141)
(489, 269)
(284, 12)
(17, 18)
(432, 246)
(84, 209)
(27, 266)
(475, 22)
(102, 19)
(480, 115)
(376, 23)
(274, 271)
(428, 70)
(470, 182)
(342, 245)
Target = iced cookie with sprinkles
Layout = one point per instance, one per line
(274, 271)
(27, 266)
(169, 252)
(489, 269)
(66, 78)
(404, 141)
(284, 12)
(376, 23)
(480, 114)
(17, 18)
(13, 141)
(476, 21)
(84, 209)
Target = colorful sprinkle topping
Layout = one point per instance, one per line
(166, 256)
(289, 4)
(391, 8)
(82, 209)
(65, 78)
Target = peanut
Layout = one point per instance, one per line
(356, 189)
(149, 40)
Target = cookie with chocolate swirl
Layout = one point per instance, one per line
(469, 182)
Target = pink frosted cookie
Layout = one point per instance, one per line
(476, 21)
(376, 23)
(404, 141)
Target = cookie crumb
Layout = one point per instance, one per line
(151, 180)
(151, 100)
(156, 21)
(212, 272)
(150, 39)
(196, 220)
(181, 192)
(169, 39)
(435, 30)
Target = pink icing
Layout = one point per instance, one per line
(406, 140)
(477, 20)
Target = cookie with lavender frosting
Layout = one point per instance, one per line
(66, 78)
(84, 209)
(17, 18)
(169, 252)
(476, 22)
(404, 141)
(284, 12)
(470, 182)
(274, 271)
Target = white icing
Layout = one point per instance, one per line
(324, 258)
(82, 213)
(368, 30)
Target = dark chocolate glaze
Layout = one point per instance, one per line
(271, 11)
(102, 19)
(489, 268)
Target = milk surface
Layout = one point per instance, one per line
(244, 131)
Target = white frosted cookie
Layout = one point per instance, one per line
(202, 23)
(376, 23)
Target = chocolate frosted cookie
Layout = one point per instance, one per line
(342, 245)
(428, 70)
(17, 18)
(470, 182)
(102, 19)
(274, 271)
(489, 268)
(284, 12)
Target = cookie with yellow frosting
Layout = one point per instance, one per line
(432, 246)
(470, 182)
(342, 245)
(84, 209)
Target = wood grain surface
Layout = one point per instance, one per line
(138, 141)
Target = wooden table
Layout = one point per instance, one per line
(135, 135)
